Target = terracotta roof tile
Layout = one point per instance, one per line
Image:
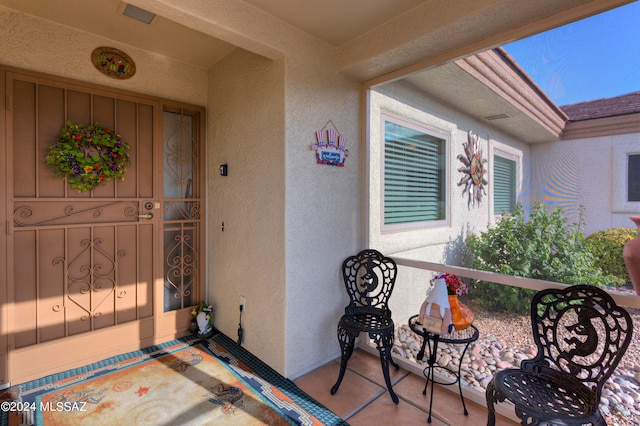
(600, 108)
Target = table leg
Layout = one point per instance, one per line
(433, 353)
(464, 407)
(420, 354)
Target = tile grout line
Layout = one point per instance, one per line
(365, 404)
(384, 390)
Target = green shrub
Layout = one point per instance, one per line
(606, 247)
(545, 247)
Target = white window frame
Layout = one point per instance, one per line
(431, 131)
(620, 174)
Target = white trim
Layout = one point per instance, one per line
(431, 131)
(619, 174)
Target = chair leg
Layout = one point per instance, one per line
(347, 342)
(600, 421)
(384, 344)
(396, 366)
(491, 400)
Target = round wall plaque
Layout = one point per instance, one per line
(113, 62)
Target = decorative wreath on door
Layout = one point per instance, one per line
(88, 155)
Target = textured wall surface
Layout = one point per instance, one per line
(589, 172)
(38, 45)
(299, 219)
(246, 126)
(323, 205)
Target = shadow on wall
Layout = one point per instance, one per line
(456, 252)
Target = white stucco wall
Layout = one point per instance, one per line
(589, 172)
(285, 257)
(35, 44)
(440, 244)
(264, 115)
(323, 205)
(246, 132)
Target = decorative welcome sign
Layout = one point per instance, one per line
(329, 146)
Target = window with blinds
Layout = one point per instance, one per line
(504, 185)
(414, 175)
(633, 178)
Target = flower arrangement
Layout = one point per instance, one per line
(88, 155)
(454, 284)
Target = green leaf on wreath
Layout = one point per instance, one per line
(84, 172)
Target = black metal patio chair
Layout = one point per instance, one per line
(369, 278)
(581, 336)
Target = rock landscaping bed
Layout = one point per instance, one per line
(505, 340)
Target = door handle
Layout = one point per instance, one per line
(147, 216)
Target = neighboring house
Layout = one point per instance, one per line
(247, 84)
(596, 164)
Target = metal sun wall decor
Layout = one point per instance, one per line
(327, 151)
(474, 170)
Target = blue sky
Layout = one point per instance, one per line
(598, 57)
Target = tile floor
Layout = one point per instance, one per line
(363, 398)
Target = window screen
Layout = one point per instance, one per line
(414, 180)
(504, 185)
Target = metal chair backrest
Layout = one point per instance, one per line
(369, 278)
(581, 331)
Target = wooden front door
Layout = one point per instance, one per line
(96, 273)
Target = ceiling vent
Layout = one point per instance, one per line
(138, 14)
(497, 116)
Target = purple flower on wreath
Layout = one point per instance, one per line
(76, 169)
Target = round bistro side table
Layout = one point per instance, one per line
(457, 337)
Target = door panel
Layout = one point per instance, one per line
(183, 166)
(82, 266)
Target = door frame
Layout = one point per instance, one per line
(4, 219)
(133, 335)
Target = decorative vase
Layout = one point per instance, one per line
(631, 254)
(461, 316)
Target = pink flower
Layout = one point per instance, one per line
(454, 284)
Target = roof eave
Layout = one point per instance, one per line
(499, 72)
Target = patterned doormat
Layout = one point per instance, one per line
(187, 382)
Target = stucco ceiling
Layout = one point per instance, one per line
(104, 18)
(336, 21)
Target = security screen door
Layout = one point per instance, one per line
(96, 273)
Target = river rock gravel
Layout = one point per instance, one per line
(505, 340)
